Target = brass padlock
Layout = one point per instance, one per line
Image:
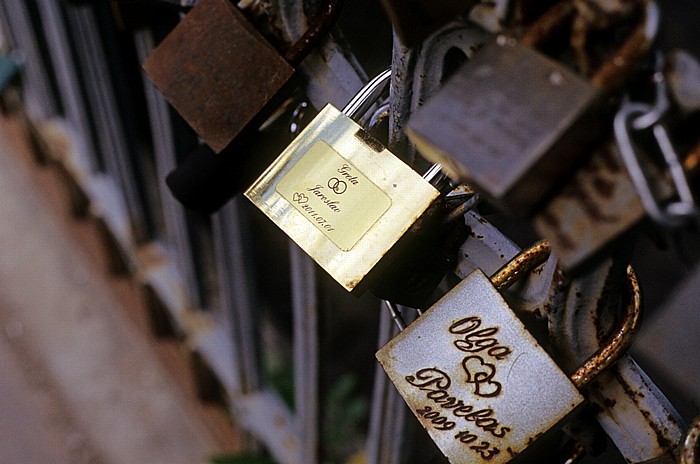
(512, 121)
(220, 73)
(342, 197)
(478, 381)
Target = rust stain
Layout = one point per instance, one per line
(217, 71)
(614, 71)
(619, 343)
(523, 263)
(664, 443)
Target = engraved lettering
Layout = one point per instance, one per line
(301, 199)
(440, 422)
(466, 437)
(436, 383)
(476, 341)
(332, 204)
(344, 170)
(485, 450)
(331, 193)
(429, 376)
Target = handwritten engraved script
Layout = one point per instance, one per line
(333, 195)
(447, 412)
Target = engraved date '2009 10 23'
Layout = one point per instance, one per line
(447, 410)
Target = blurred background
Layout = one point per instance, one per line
(134, 330)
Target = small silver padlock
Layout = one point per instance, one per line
(347, 201)
(512, 121)
(478, 381)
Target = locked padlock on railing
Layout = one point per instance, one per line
(478, 381)
(512, 121)
(221, 74)
(347, 201)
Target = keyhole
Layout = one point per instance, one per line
(454, 58)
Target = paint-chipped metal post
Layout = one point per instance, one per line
(631, 409)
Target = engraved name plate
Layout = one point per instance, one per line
(333, 195)
(475, 378)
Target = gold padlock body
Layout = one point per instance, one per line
(341, 196)
(475, 378)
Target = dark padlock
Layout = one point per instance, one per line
(512, 121)
(221, 74)
(204, 181)
(414, 20)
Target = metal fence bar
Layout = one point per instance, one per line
(238, 298)
(110, 132)
(388, 436)
(175, 233)
(305, 306)
(74, 105)
(37, 93)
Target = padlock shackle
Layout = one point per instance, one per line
(620, 341)
(523, 263)
(326, 18)
(361, 102)
(612, 74)
(688, 454)
(365, 98)
(545, 24)
(616, 67)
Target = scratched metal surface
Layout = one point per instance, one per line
(514, 391)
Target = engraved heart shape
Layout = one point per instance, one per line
(300, 198)
(480, 373)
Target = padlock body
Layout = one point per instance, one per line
(217, 71)
(511, 121)
(475, 378)
(595, 207)
(341, 196)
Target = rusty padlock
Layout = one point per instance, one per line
(512, 121)
(220, 73)
(477, 380)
